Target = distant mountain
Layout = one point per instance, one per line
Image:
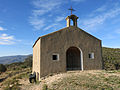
(12, 59)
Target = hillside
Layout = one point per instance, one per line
(9, 80)
(12, 59)
(79, 80)
(110, 55)
(16, 76)
(111, 58)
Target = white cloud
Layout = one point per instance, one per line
(42, 13)
(50, 26)
(39, 12)
(1, 28)
(59, 18)
(92, 22)
(48, 4)
(101, 9)
(43, 7)
(7, 39)
(78, 0)
(37, 23)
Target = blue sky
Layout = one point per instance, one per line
(23, 21)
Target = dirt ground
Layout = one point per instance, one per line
(59, 77)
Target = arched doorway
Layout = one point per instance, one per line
(73, 59)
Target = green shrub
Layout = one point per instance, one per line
(12, 84)
(111, 58)
(14, 87)
(2, 68)
(23, 66)
(28, 61)
(45, 87)
(20, 65)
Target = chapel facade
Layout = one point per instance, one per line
(70, 48)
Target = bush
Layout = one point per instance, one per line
(28, 61)
(111, 58)
(20, 65)
(45, 87)
(2, 68)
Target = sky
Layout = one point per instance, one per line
(23, 21)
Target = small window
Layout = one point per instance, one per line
(55, 57)
(91, 55)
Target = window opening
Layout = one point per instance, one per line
(91, 55)
(55, 57)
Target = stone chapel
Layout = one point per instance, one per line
(70, 48)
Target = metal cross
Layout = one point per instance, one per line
(71, 10)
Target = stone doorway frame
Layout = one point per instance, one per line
(81, 57)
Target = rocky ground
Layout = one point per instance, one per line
(78, 80)
(71, 80)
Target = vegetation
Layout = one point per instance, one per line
(13, 82)
(103, 80)
(12, 59)
(2, 68)
(111, 58)
(45, 87)
(87, 80)
(10, 80)
(20, 65)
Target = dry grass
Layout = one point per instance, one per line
(81, 80)
(72, 80)
(11, 79)
(88, 80)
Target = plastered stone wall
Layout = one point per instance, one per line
(58, 42)
(36, 59)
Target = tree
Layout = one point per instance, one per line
(28, 61)
(2, 68)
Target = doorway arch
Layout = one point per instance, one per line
(74, 59)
